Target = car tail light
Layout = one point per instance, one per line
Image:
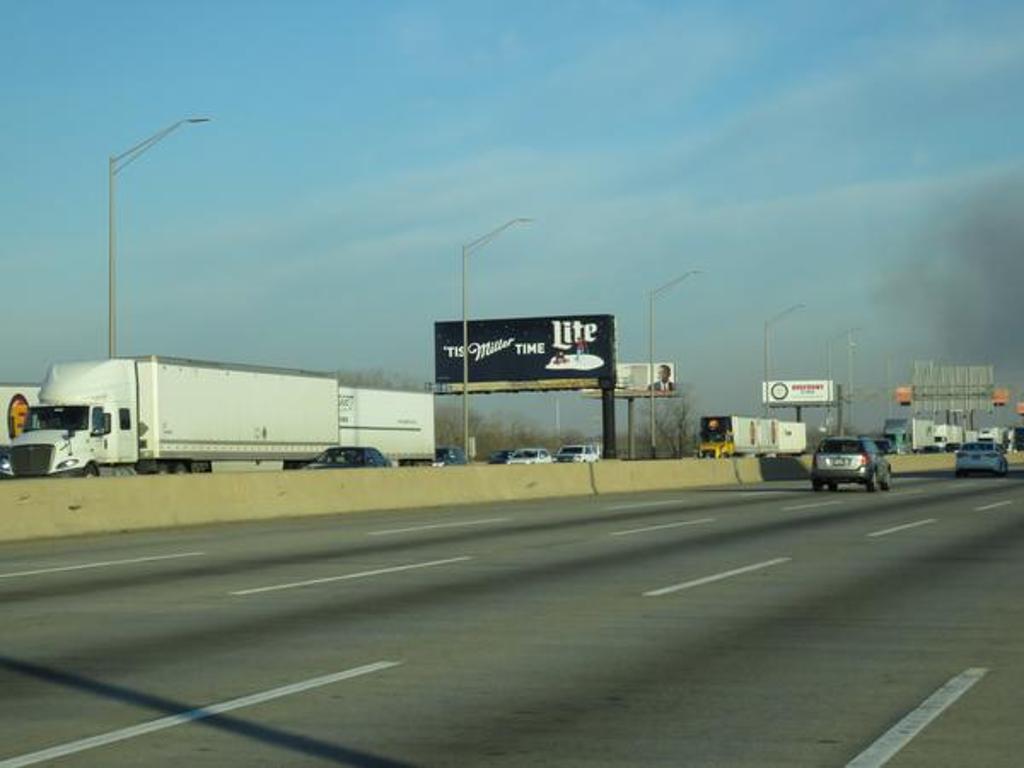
(864, 459)
(960, 454)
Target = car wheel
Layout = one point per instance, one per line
(886, 483)
(870, 486)
(816, 485)
(833, 486)
(959, 473)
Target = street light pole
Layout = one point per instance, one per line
(848, 333)
(467, 250)
(767, 369)
(115, 164)
(650, 349)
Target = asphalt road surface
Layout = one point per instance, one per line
(763, 626)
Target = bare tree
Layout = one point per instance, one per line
(675, 425)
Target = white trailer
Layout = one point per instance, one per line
(15, 400)
(922, 434)
(994, 435)
(399, 424)
(157, 415)
(792, 438)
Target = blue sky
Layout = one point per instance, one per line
(805, 152)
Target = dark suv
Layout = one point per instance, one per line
(850, 460)
(447, 456)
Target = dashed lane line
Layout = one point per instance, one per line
(679, 524)
(434, 526)
(349, 576)
(812, 505)
(716, 577)
(190, 716)
(994, 505)
(103, 564)
(901, 734)
(904, 527)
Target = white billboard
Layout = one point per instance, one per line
(794, 393)
(636, 377)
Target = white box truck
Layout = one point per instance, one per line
(947, 435)
(159, 415)
(15, 400)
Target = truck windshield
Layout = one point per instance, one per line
(66, 418)
(715, 429)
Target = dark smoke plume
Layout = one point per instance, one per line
(970, 287)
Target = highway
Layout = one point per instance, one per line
(757, 626)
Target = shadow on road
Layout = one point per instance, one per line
(271, 736)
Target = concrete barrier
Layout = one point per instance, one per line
(31, 509)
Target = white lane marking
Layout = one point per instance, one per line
(903, 527)
(348, 576)
(907, 493)
(393, 531)
(105, 564)
(994, 506)
(812, 505)
(142, 729)
(901, 734)
(716, 577)
(665, 525)
(753, 494)
(643, 504)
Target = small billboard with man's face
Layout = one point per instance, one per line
(641, 378)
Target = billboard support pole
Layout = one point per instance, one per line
(630, 428)
(650, 349)
(608, 419)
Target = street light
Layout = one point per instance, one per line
(468, 249)
(115, 165)
(848, 333)
(767, 370)
(650, 347)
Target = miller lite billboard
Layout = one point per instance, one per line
(527, 353)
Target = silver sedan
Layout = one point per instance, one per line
(981, 457)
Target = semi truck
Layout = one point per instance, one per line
(156, 415)
(15, 400)
(725, 436)
(909, 435)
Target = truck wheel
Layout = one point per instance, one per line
(179, 468)
(91, 470)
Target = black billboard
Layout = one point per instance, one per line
(567, 352)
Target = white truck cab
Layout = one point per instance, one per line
(85, 419)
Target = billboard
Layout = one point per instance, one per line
(527, 353)
(635, 378)
(790, 394)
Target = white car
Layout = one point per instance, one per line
(981, 457)
(530, 456)
(577, 454)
